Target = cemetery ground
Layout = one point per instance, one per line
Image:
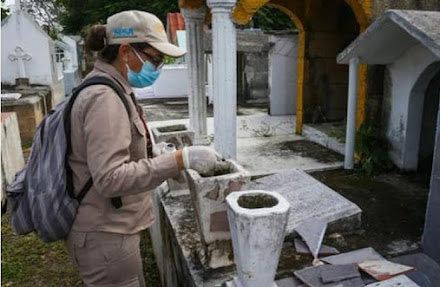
(393, 206)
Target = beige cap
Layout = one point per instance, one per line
(140, 27)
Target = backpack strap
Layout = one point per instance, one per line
(116, 201)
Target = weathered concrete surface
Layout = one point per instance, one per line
(258, 221)
(208, 195)
(310, 198)
(402, 30)
(30, 112)
(12, 156)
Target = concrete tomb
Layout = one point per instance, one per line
(208, 195)
(310, 198)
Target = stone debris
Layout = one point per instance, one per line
(312, 277)
(353, 257)
(337, 273)
(312, 232)
(302, 248)
(399, 281)
(383, 269)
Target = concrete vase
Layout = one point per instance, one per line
(258, 221)
(179, 134)
(208, 196)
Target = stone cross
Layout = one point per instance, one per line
(20, 55)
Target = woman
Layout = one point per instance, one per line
(110, 147)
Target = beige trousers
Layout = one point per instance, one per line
(107, 259)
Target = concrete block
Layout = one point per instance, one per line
(258, 221)
(309, 198)
(30, 112)
(180, 134)
(12, 156)
(208, 195)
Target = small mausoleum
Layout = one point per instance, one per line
(407, 44)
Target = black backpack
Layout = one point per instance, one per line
(41, 197)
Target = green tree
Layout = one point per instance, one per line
(78, 14)
(270, 18)
(5, 11)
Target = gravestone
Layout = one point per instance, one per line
(309, 198)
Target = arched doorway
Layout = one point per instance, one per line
(422, 115)
(429, 123)
(327, 27)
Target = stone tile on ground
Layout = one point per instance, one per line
(302, 248)
(353, 257)
(383, 269)
(336, 273)
(312, 277)
(311, 199)
(289, 282)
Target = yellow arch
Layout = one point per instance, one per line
(362, 10)
(300, 65)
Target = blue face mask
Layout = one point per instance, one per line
(145, 77)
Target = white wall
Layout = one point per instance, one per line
(283, 58)
(172, 83)
(19, 29)
(403, 131)
(73, 53)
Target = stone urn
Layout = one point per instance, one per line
(258, 221)
(208, 196)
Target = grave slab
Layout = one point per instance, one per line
(309, 198)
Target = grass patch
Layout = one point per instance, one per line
(28, 261)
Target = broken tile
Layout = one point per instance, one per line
(383, 269)
(311, 276)
(336, 273)
(399, 281)
(353, 257)
(301, 248)
(312, 231)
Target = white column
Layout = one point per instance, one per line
(224, 50)
(351, 114)
(194, 19)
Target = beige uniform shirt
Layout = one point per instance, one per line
(111, 148)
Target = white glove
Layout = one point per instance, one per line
(201, 159)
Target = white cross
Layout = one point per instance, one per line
(20, 56)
